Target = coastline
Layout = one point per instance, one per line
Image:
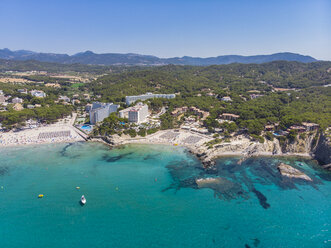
(195, 143)
(239, 147)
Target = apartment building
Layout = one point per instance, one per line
(99, 111)
(138, 113)
(131, 99)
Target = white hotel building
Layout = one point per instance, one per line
(99, 111)
(136, 114)
(131, 99)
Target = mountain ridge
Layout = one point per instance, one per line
(89, 57)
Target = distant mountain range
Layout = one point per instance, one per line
(89, 57)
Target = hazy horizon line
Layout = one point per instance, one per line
(161, 57)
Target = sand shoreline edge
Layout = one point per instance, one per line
(207, 159)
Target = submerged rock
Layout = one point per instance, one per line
(208, 162)
(289, 171)
(262, 198)
(3, 170)
(206, 182)
(223, 188)
(327, 167)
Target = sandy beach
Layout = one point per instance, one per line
(62, 131)
(185, 138)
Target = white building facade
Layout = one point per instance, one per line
(138, 113)
(2, 97)
(100, 111)
(124, 113)
(131, 99)
(38, 93)
(17, 100)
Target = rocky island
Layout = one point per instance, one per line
(290, 172)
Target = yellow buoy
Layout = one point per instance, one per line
(175, 144)
(77, 187)
(40, 196)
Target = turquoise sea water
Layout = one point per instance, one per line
(147, 196)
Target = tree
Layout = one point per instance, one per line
(142, 132)
(253, 126)
(269, 136)
(131, 132)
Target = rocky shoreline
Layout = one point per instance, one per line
(322, 151)
(238, 146)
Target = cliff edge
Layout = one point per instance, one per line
(322, 151)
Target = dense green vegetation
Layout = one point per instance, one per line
(304, 102)
(43, 114)
(52, 93)
(238, 78)
(47, 113)
(312, 105)
(110, 125)
(77, 85)
(33, 65)
(202, 87)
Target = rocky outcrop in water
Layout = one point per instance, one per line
(288, 171)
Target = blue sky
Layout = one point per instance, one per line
(168, 28)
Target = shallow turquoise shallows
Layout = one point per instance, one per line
(148, 196)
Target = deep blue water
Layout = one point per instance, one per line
(147, 196)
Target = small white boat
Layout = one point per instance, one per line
(83, 200)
